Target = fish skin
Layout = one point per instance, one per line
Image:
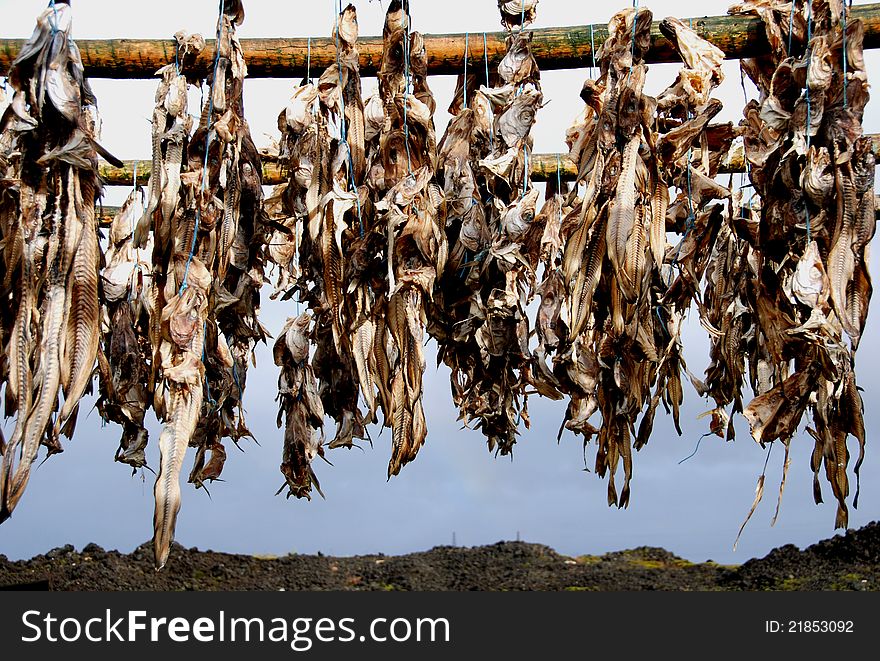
(21, 379)
(383, 368)
(63, 226)
(635, 257)
(401, 424)
(83, 320)
(142, 229)
(588, 278)
(575, 246)
(170, 188)
(659, 205)
(841, 260)
(364, 338)
(354, 115)
(622, 216)
(229, 223)
(186, 401)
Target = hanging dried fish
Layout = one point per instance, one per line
(324, 213)
(300, 406)
(801, 249)
(50, 251)
(623, 304)
(480, 321)
(410, 213)
(190, 330)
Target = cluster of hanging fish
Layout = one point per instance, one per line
(496, 243)
(616, 302)
(361, 243)
(386, 235)
(788, 285)
(182, 283)
(615, 263)
(49, 249)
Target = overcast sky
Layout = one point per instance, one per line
(455, 487)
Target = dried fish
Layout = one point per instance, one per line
(51, 256)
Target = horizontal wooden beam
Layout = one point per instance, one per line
(106, 214)
(544, 167)
(554, 48)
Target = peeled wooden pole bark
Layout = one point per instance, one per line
(543, 168)
(554, 48)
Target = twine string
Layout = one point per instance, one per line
(204, 186)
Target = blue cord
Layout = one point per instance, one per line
(54, 21)
(689, 223)
(406, 48)
(844, 55)
(465, 68)
(807, 84)
(237, 382)
(592, 50)
(559, 185)
(192, 248)
(486, 59)
(632, 61)
(354, 188)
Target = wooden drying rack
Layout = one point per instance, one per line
(554, 49)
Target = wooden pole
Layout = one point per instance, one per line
(543, 168)
(106, 214)
(554, 48)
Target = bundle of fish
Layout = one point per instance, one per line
(183, 282)
(322, 147)
(410, 217)
(791, 283)
(363, 215)
(623, 290)
(126, 362)
(480, 320)
(49, 252)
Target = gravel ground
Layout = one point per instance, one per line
(845, 562)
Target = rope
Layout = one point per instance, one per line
(592, 51)
(192, 248)
(844, 55)
(212, 403)
(53, 22)
(406, 48)
(344, 132)
(632, 56)
(790, 26)
(559, 185)
(558, 176)
(486, 60)
(309, 61)
(465, 69)
(134, 185)
(526, 170)
(689, 222)
(807, 84)
(748, 172)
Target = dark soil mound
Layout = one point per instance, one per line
(847, 562)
